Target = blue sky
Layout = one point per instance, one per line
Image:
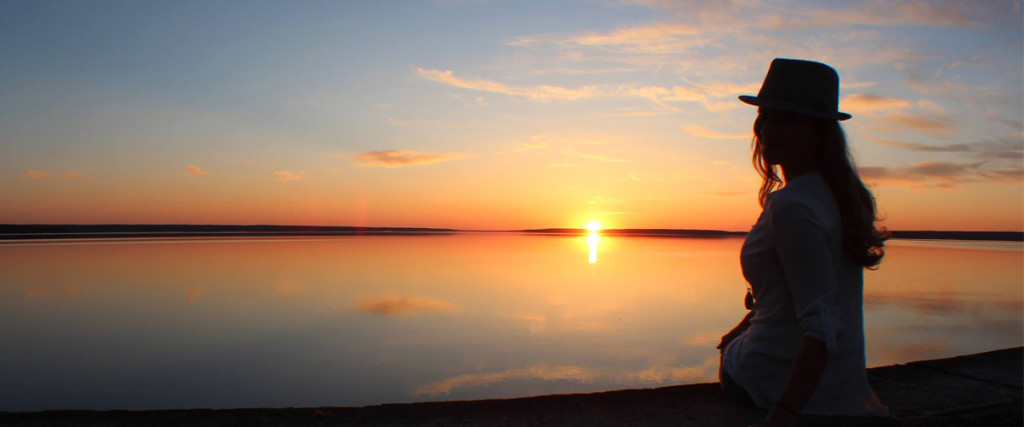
(491, 114)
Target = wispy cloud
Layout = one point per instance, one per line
(71, 175)
(599, 200)
(715, 97)
(36, 174)
(703, 132)
(401, 158)
(922, 116)
(941, 174)
(872, 13)
(657, 38)
(404, 306)
(527, 146)
(542, 92)
(243, 162)
(872, 104)
(634, 114)
(593, 156)
(924, 124)
(1017, 125)
(288, 176)
(429, 123)
(194, 170)
(1007, 147)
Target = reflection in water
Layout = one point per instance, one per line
(667, 372)
(333, 321)
(543, 373)
(287, 287)
(592, 241)
(194, 294)
(404, 306)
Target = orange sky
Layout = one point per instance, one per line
(443, 115)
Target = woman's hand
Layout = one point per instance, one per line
(728, 338)
(735, 332)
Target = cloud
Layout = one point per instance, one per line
(592, 156)
(243, 162)
(634, 114)
(887, 14)
(703, 132)
(923, 79)
(599, 200)
(428, 123)
(34, 174)
(542, 92)
(1013, 124)
(893, 110)
(287, 176)
(404, 306)
(1007, 147)
(71, 175)
(527, 146)
(941, 174)
(928, 125)
(658, 38)
(875, 13)
(715, 97)
(400, 158)
(194, 170)
(872, 104)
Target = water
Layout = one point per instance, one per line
(222, 323)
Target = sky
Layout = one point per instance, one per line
(492, 114)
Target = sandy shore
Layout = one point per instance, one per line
(975, 390)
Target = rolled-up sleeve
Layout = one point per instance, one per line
(806, 258)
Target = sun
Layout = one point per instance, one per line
(593, 226)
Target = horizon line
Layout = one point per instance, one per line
(54, 231)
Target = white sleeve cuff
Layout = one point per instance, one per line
(824, 324)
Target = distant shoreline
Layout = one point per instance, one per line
(110, 231)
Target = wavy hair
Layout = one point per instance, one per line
(862, 241)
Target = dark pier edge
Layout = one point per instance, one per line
(982, 389)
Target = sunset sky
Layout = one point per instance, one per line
(491, 114)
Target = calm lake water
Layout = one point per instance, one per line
(343, 321)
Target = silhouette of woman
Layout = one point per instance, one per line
(800, 349)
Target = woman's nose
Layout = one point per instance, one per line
(761, 125)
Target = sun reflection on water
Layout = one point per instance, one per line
(592, 241)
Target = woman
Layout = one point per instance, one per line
(801, 347)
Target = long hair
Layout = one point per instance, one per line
(862, 242)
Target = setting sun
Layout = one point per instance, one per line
(593, 226)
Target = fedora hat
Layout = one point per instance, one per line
(798, 86)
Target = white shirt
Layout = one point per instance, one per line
(802, 286)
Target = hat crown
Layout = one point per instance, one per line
(800, 86)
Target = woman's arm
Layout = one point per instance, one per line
(804, 376)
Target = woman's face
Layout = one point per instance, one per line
(785, 138)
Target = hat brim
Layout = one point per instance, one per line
(793, 108)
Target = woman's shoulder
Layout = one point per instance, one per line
(807, 195)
